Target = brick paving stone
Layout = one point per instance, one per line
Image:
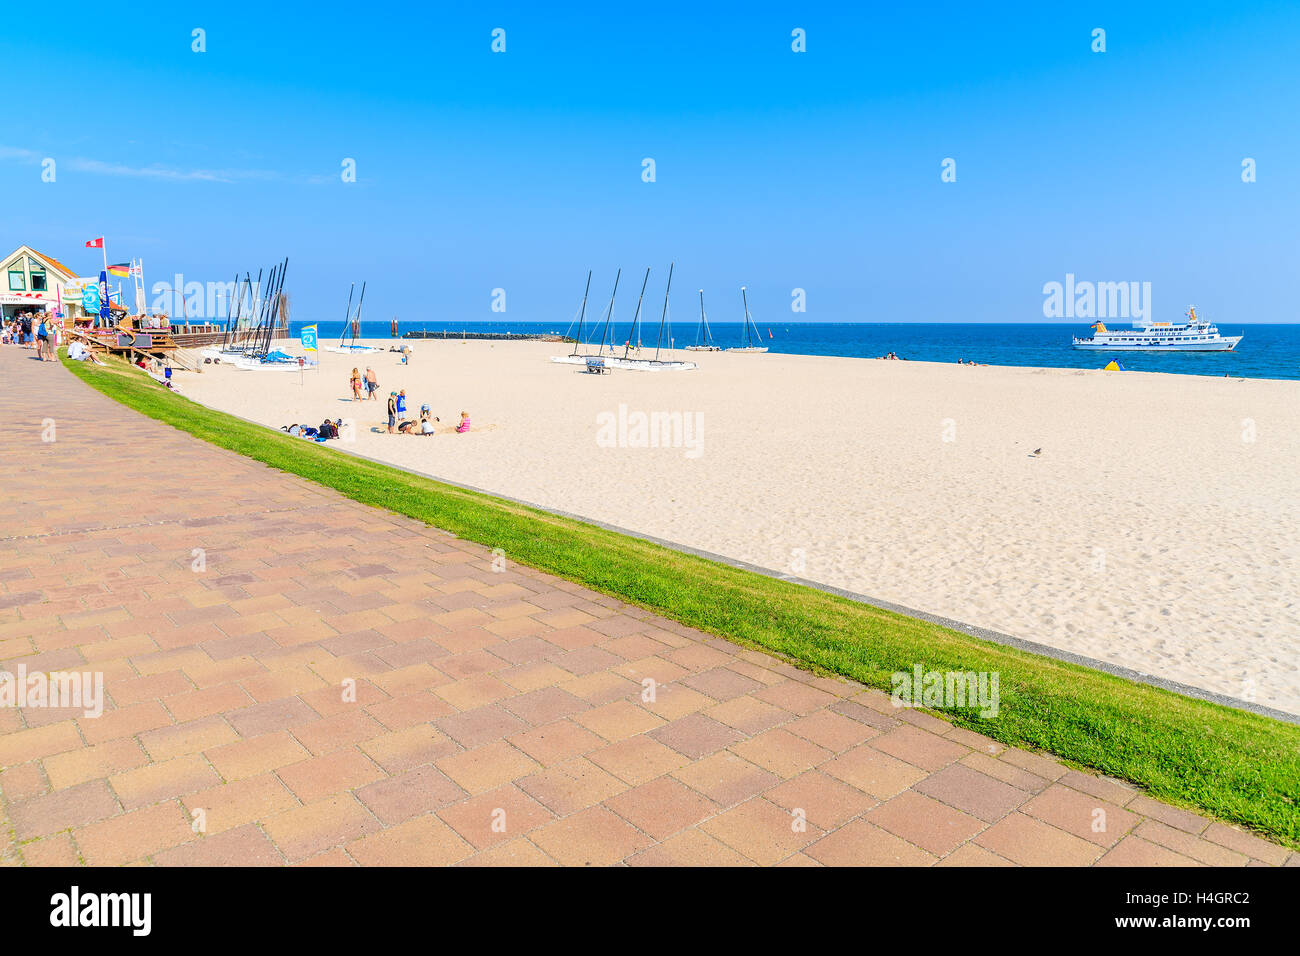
(825, 801)
(242, 846)
(662, 807)
(726, 779)
(422, 841)
(966, 789)
(861, 844)
(307, 830)
(696, 736)
(497, 816)
(592, 837)
(873, 772)
(636, 760)
(571, 786)
(1134, 851)
(927, 823)
(351, 686)
(1030, 842)
(689, 848)
(761, 831)
(1081, 814)
(926, 750)
(486, 767)
(396, 798)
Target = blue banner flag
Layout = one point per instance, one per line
(103, 295)
(308, 338)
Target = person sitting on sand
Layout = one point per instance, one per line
(464, 423)
(372, 383)
(356, 385)
(426, 422)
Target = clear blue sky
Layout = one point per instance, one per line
(521, 170)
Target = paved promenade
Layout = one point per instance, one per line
(292, 677)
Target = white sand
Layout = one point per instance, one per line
(1152, 532)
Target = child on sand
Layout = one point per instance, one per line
(464, 423)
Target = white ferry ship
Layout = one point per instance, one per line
(1194, 335)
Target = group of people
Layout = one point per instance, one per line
(320, 433)
(893, 357)
(32, 328)
(398, 423)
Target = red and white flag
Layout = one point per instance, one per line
(95, 243)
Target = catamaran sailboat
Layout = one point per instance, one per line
(1194, 335)
(655, 364)
(352, 324)
(752, 335)
(703, 338)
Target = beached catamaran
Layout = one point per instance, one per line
(1194, 335)
(752, 336)
(352, 327)
(655, 364)
(703, 337)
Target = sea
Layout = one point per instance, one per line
(1267, 351)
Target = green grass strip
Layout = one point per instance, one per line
(1234, 765)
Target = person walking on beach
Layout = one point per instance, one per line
(356, 385)
(392, 412)
(372, 384)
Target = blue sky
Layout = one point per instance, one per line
(774, 169)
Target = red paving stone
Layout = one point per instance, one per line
(342, 686)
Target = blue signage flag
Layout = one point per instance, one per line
(90, 299)
(308, 338)
(103, 295)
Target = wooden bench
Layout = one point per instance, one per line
(596, 365)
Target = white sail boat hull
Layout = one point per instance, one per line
(631, 365)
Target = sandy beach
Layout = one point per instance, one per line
(1159, 528)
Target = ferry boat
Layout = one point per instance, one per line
(1194, 335)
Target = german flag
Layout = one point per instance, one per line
(122, 269)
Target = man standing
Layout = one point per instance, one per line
(27, 329)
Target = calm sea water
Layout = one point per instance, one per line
(1267, 351)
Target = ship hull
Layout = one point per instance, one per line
(1225, 344)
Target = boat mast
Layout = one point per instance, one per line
(745, 299)
(609, 315)
(635, 316)
(704, 325)
(659, 339)
(577, 340)
(347, 316)
(356, 323)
